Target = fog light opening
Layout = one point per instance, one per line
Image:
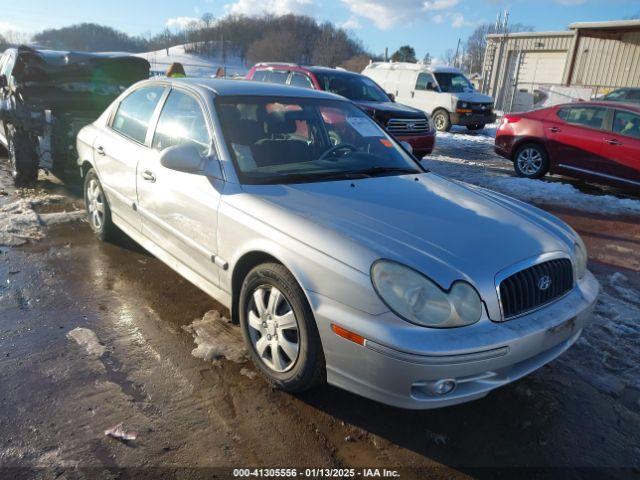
(443, 387)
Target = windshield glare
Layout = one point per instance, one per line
(453, 82)
(354, 87)
(288, 140)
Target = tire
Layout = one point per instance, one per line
(473, 128)
(98, 210)
(22, 158)
(262, 333)
(441, 120)
(531, 161)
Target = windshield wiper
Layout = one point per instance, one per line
(382, 170)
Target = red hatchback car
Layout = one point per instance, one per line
(405, 123)
(597, 141)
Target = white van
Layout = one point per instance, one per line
(443, 92)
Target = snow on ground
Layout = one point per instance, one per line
(216, 338)
(87, 339)
(194, 65)
(470, 158)
(19, 221)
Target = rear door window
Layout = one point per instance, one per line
(626, 123)
(278, 76)
(181, 121)
(135, 112)
(592, 117)
(300, 80)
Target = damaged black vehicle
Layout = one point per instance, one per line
(47, 96)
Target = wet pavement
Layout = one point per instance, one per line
(93, 335)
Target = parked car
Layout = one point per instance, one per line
(592, 140)
(47, 96)
(626, 95)
(404, 123)
(347, 263)
(442, 92)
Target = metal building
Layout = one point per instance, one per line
(532, 69)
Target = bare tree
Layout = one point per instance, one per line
(357, 63)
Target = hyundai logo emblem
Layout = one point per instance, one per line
(544, 282)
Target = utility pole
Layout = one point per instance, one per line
(386, 54)
(455, 59)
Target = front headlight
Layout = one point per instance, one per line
(415, 298)
(580, 256)
(464, 105)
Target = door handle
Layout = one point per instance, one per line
(100, 150)
(412, 93)
(612, 141)
(149, 176)
(555, 130)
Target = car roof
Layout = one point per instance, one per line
(602, 103)
(224, 88)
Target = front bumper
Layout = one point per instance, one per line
(400, 364)
(471, 119)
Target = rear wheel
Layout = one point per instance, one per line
(279, 329)
(22, 157)
(98, 211)
(531, 161)
(441, 120)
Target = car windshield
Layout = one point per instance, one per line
(354, 87)
(453, 82)
(615, 95)
(296, 140)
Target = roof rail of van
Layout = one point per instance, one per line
(397, 65)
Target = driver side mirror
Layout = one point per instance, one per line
(391, 96)
(431, 86)
(187, 159)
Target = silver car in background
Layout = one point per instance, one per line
(342, 259)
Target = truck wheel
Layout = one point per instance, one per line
(22, 158)
(279, 329)
(442, 121)
(98, 211)
(531, 161)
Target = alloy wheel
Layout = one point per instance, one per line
(95, 204)
(273, 328)
(529, 161)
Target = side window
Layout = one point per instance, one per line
(423, 80)
(300, 80)
(278, 76)
(135, 111)
(592, 117)
(181, 121)
(259, 75)
(626, 123)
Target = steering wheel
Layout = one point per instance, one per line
(337, 148)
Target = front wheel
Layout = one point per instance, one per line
(442, 121)
(531, 161)
(98, 211)
(279, 329)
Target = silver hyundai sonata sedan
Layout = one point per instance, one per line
(342, 259)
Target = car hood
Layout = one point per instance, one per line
(473, 97)
(391, 109)
(448, 231)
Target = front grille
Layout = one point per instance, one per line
(408, 126)
(482, 108)
(525, 290)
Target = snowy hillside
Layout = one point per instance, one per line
(195, 65)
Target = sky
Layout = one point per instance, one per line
(432, 26)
